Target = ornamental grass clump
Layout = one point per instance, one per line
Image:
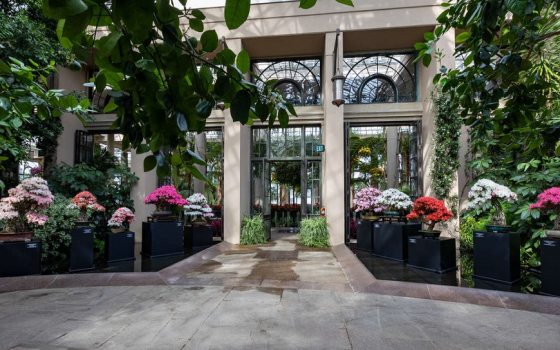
(366, 200)
(487, 197)
(164, 197)
(253, 231)
(24, 207)
(86, 202)
(430, 211)
(549, 202)
(121, 218)
(395, 200)
(314, 232)
(197, 207)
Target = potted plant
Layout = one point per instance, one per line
(487, 197)
(86, 202)
(165, 198)
(23, 209)
(549, 202)
(253, 231)
(119, 245)
(430, 211)
(395, 202)
(314, 232)
(367, 202)
(198, 233)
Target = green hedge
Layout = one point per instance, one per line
(314, 233)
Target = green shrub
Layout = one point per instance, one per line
(252, 231)
(314, 233)
(466, 230)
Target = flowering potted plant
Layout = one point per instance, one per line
(22, 209)
(395, 202)
(120, 220)
(487, 197)
(86, 202)
(165, 198)
(549, 202)
(367, 202)
(197, 208)
(198, 234)
(431, 211)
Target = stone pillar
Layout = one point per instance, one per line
(392, 171)
(200, 142)
(333, 191)
(147, 182)
(237, 172)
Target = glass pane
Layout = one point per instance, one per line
(313, 188)
(285, 142)
(257, 197)
(260, 138)
(312, 138)
(290, 91)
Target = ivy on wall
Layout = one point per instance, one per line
(448, 124)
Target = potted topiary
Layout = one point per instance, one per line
(430, 211)
(163, 234)
(197, 233)
(487, 197)
(395, 203)
(119, 245)
(549, 202)
(366, 202)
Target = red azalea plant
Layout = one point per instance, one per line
(430, 210)
(87, 203)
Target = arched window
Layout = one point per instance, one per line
(298, 81)
(380, 79)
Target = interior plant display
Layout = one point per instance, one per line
(549, 202)
(24, 207)
(367, 202)
(430, 211)
(488, 197)
(395, 202)
(314, 232)
(253, 231)
(87, 204)
(165, 198)
(197, 208)
(120, 220)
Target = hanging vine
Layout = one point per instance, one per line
(446, 143)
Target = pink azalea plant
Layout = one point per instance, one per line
(549, 201)
(165, 196)
(86, 202)
(367, 200)
(122, 217)
(23, 208)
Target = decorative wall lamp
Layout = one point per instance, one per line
(337, 79)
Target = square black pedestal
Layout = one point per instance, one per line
(497, 256)
(81, 249)
(119, 246)
(364, 235)
(432, 254)
(162, 238)
(198, 236)
(20, 258)
(391, 240)
(550, 266)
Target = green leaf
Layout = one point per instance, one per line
(517, 7)
(106, 45)
(63, 8)
(426, 60)
(346, 2)
(222, 85)
(198, 14)
(76, 25)
(176, 159)
(110, 107)
(236, 12)
(5, 103)
(196, 158)
(243, 62)
(429, 36)
(100, 81)
(4, 68)
(182, 122)
(137, 16)
(196, 24)
(17, 123)
(461, 38)
(150, 163)
(209, 40)
(226, 57)
(147, 65)
(283, 117)
(291, 109)
(240, 106)
(306, 4)
(142, 148)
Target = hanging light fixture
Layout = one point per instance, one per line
(338, 78)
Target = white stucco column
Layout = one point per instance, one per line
(237, 174)
(147, 182)
(333, 138)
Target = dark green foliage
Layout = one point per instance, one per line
(467, 228)
(253, 231)
(446, 143)
(314, 233)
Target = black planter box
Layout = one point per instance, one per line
(81, 249)
(198, 236)
(162, 238)
(497, 257)
(391, 239)
(364, 235)
(119, 246)
(550, 266)
(20, 258)
(432, 254)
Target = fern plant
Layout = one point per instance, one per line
(252, 231)
(314, 233)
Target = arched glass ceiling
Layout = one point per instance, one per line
(299, 81)
(380, 79)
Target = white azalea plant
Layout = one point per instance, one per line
(487, 196)
(393, 199)
(198, 207)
